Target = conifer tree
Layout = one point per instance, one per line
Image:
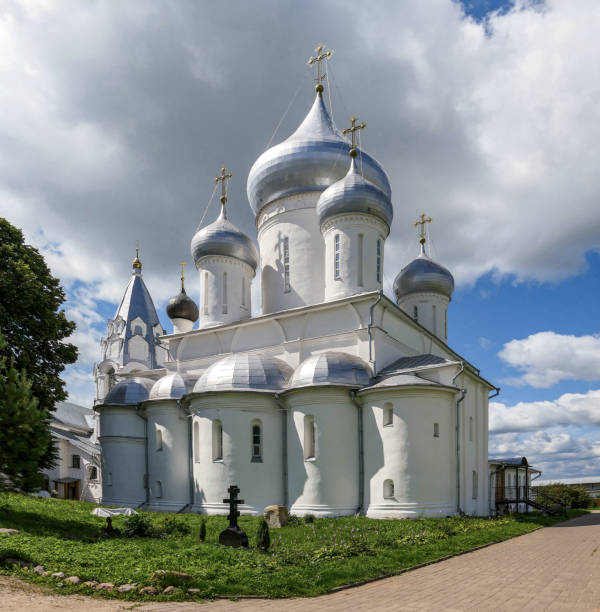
(263, 537)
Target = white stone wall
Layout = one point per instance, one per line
(358, 264)
(432, 311)
(224, 299)
(293, 217)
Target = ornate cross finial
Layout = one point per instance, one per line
(353, 129)
(223, 178)
(137, 264)
(318, 59)
(422, 220)
(182, 264)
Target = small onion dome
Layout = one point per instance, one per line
(355, 194)
(423, 275)
(331, 368)
(223, 238)
(311, 159)
(241, 372)
(170, 386)
(130, 391)
(182, 307)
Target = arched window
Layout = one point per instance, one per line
(158, 438)
(474, 484)
(379, 260)
(388, 489)
(205, 293)
(257, 442)
(434, 319)
(159, 490)
(336, 263)
(309, 437)
(224, 292)
(217, 441)
(197, 442)
(93, 473)
(359, 262)
(111, 377)
(436, 430)
(416, 313)
(388, 415)
(243, 291)
(470, 429)
(286, 265)
(445, 324)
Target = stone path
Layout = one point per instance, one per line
(554, 569)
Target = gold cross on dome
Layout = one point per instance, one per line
(422, 220)
(223, 178)
(182, 264)
(318, 59)
(137, 264)
(353, 129)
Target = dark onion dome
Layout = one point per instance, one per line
(355, 194)
(223, 238)
(331, 368)
(182, 307)
(170, 386)
(245, 372)
(311, 159)
(129, 391)
(423, 275)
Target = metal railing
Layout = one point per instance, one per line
(536, 497)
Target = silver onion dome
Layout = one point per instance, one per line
(311, 159)
(223, 238)
(354, 194)
(130, 391)
(423, 275)
(170, 386)
(242, 372)
(331, 368)
(182, 306)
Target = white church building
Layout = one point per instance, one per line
(335, 399)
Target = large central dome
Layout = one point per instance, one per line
(311, 159)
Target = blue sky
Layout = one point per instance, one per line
(484, 114)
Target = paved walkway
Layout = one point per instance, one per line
(554, 569)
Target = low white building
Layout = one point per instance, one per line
(77, 473)
(335, 399)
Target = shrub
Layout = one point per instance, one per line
(309, 518)
(175, 526)
(137, 526)
(574, 496)
(263, 538)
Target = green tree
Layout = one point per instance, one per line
(32, 324)
(24, 434)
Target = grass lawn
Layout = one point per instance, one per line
(304, 559)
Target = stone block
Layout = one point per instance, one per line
(91, 583)
(160, 575)
(126, 588)
(148, 590)
(73, 580)
(105, 586)
(169, 590)
(7, 531)
(59, 575)
(276, 516)
(39, 569)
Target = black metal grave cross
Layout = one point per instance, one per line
(233, 502)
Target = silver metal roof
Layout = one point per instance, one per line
(354, 194)
(333, 368)
(423, 275)
(182, 306)
(311, 159)
(243, 371)
(402, 380)
(223, 238)
(170, 386)
(414, 362)
(74, 415)
(130, 391)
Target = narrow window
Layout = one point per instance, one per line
(206, 293)
(445, 324)
(197, 442)
(243, 291)
(470, 429)
(257, 442)
(309, 437)
(416, 313)
(378, 261)
(159, 440)
(359, 262)
(75, 461)
(336, 263)
(217, 441)
(159, 491)
(474, 486)
(388, 415)
(388, 489)
(93, 473)
(224, 292)
(434, 320)
(436, 430)
(286, 265)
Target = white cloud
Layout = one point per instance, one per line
(547, 358)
